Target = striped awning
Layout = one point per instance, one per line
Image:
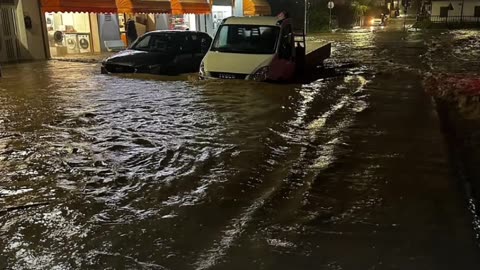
(190, 7)
(94, 6)
(143, 6)
(256, 8)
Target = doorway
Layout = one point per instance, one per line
(9, 44)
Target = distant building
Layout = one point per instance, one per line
(453, 12)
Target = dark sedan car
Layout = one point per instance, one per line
(161, 52)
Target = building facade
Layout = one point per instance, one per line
(21, 31)
(454, 12)
(41, 29)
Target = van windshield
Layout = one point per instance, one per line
(251, 39)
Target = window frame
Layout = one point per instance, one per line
(442, 14)
(217, 37)
(476, 11)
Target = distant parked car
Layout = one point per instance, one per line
(377, 23)
(161, 52)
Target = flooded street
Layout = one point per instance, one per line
(144, 172)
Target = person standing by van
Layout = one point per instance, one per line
(283, 15)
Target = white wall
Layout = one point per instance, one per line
(31, 39)
(209, 20)
(468, 9)
(162, 21)
(238, 9)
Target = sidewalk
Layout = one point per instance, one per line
(84, 58)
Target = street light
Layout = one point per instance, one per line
(461, 12)
(330, 5)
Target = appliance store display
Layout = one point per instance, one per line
(84, 43)
(71, 42)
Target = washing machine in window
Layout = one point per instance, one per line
(71, 42)
(84, 43)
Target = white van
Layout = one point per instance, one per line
(252, 48)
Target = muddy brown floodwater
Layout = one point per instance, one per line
(139, 172)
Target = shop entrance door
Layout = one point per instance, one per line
(9, 44)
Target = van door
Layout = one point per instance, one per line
(9, 44)
(283, 65)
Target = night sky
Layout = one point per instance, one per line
(294, 7)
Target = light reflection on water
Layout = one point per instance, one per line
(173, 173)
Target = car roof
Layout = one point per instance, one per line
(253, 20)
(175, 31)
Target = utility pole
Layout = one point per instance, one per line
(305, 15)
(406, 3)
(330, 20)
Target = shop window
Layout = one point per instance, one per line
(68, 33)
(444, 12)
(477, 11)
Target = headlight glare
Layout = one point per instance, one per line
(261, 74)
(201, 72)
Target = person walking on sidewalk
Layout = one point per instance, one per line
(131, 30)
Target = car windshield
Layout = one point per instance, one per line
(250, 39)
(160, 42)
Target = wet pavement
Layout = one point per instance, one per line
(142, 172)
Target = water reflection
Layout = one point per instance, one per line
(142, 172)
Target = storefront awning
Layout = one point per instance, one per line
(94, 6)
(143, 6)
(190, 7)
(256, 7)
